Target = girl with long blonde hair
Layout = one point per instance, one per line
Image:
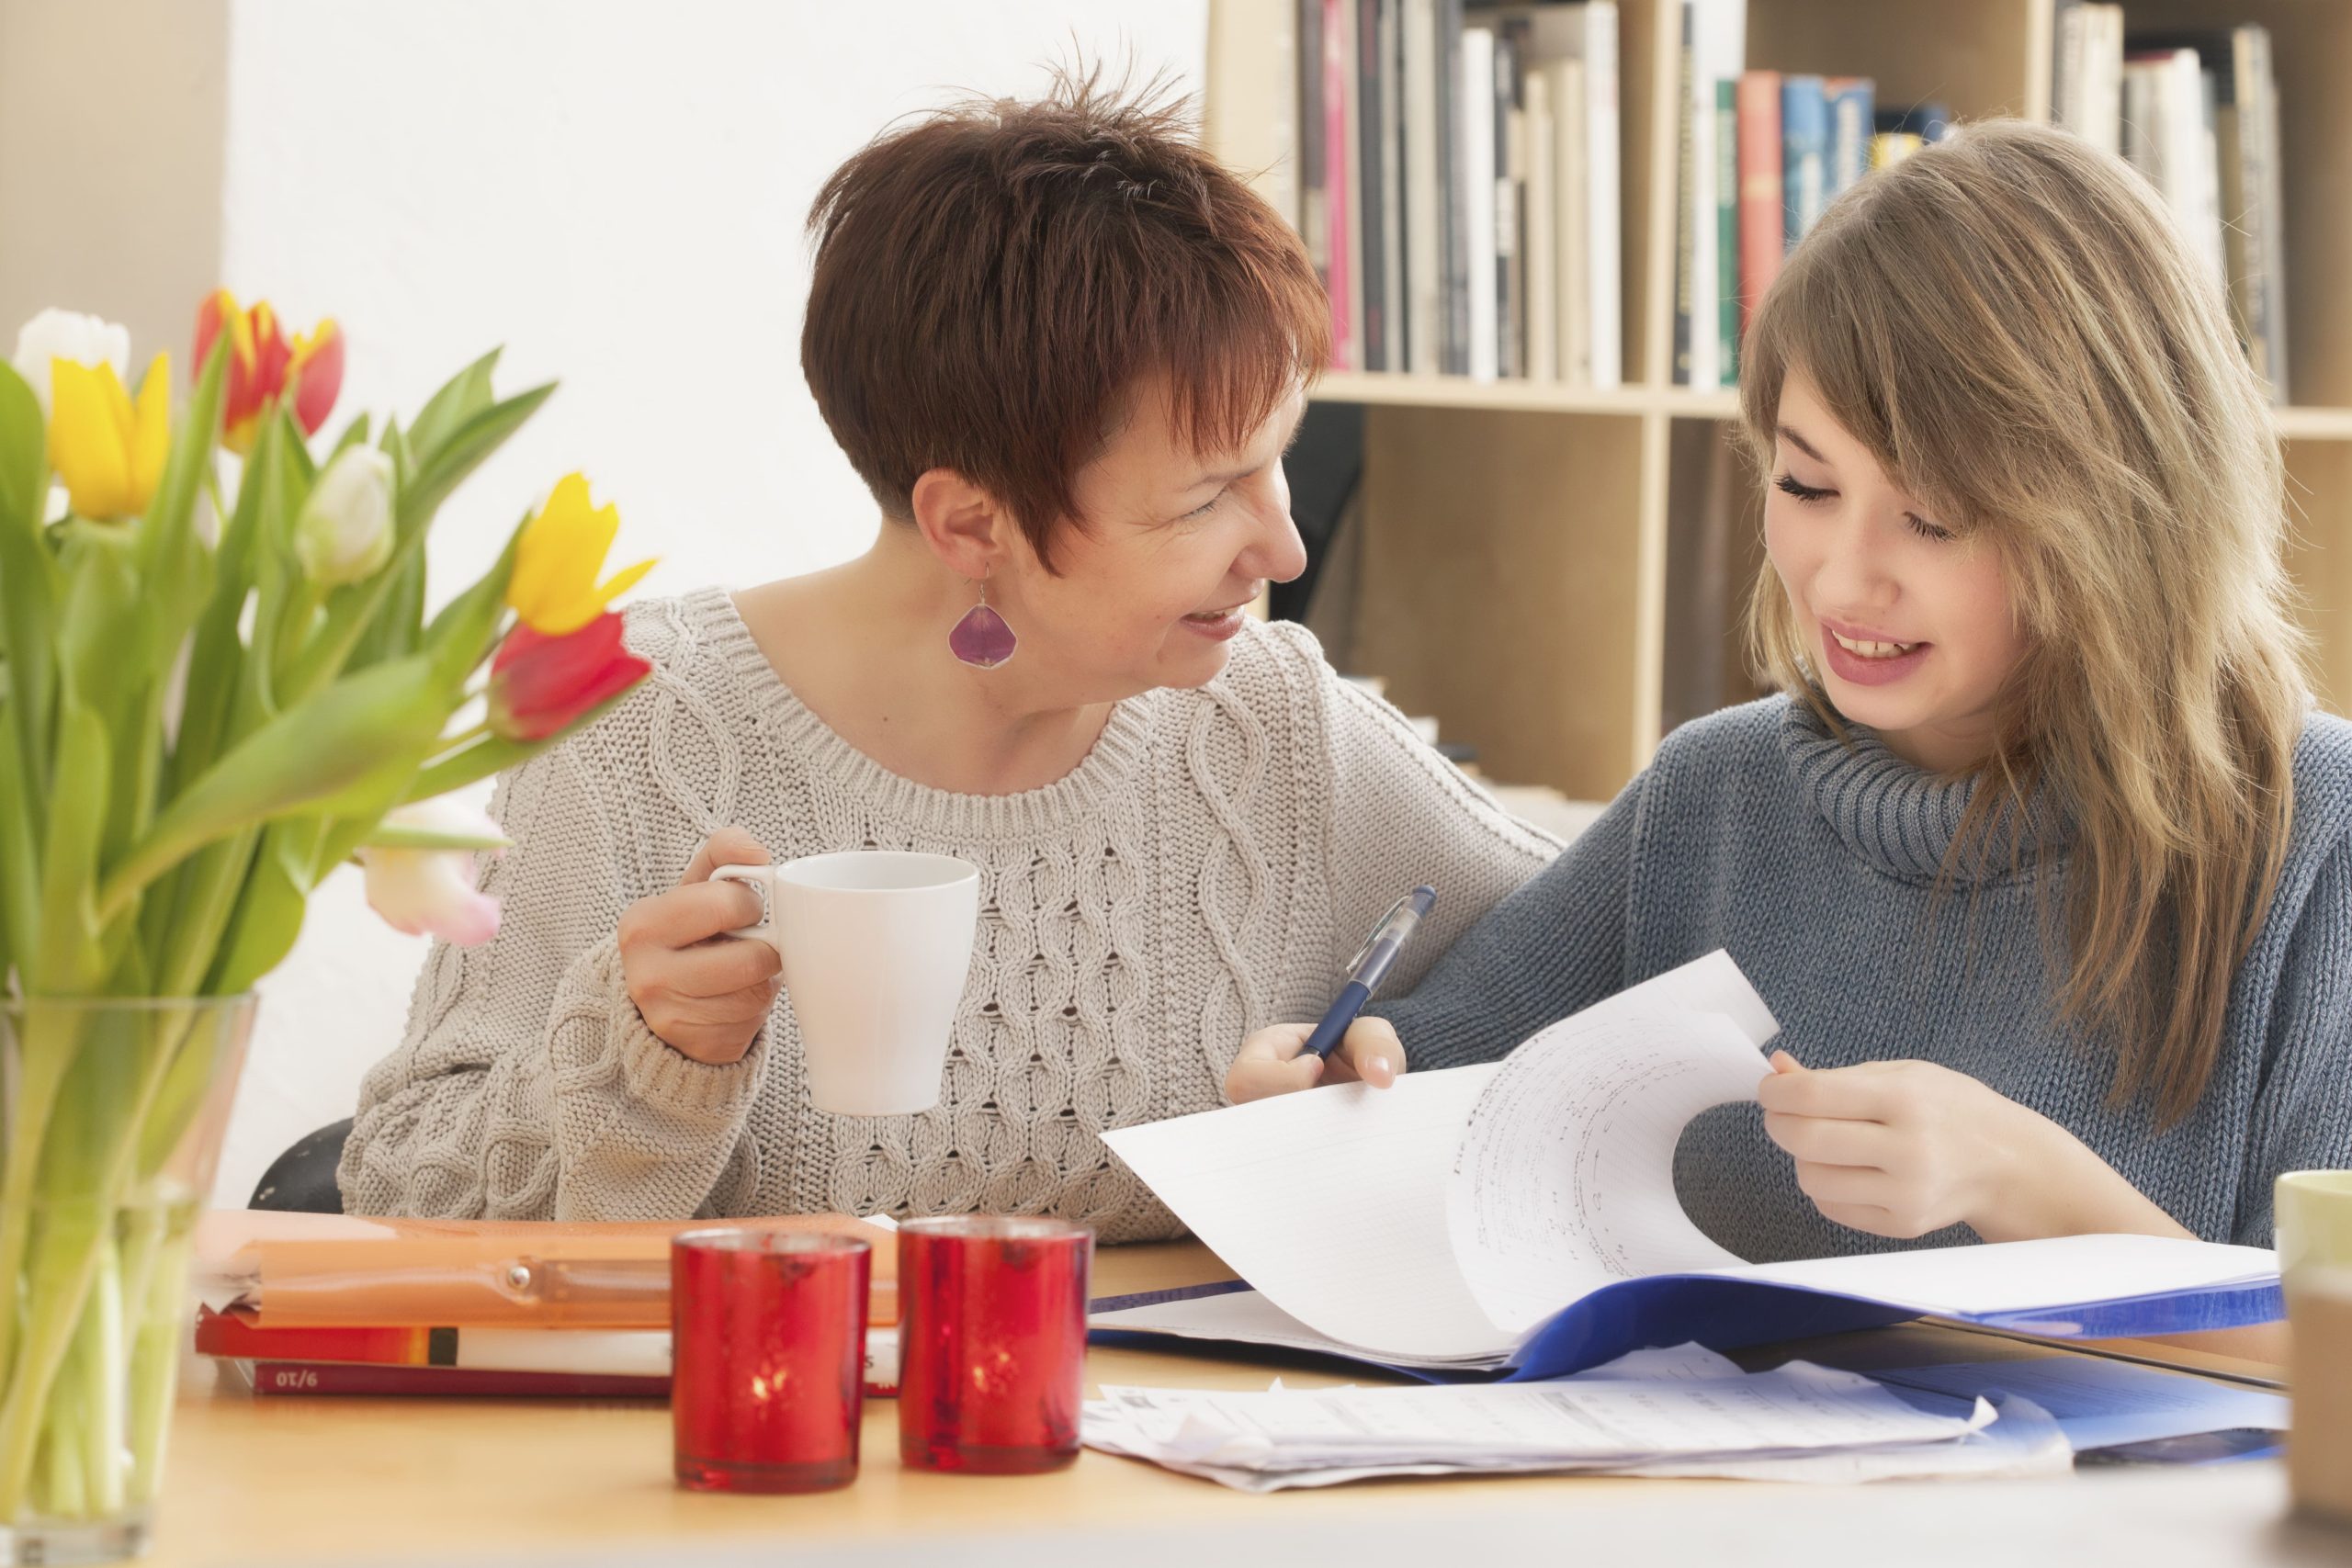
(2040, 854)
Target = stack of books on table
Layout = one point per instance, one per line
(329, 1303)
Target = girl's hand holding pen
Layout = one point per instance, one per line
(1272, 1061)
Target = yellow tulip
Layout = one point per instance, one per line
(554, 587)
(109, 455)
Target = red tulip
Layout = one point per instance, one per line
(539, 684)
(263, 366)
(315, 375)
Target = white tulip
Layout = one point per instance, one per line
(70, 335)
(345, 533)
(431, 892)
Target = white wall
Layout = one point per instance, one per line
(616, 192)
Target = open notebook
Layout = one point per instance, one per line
(1520, 1216)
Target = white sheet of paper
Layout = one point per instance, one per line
(2012, 1276)
(1798, 1408)
(2025, 1440)
(1565, 1179)
(1332, 1202)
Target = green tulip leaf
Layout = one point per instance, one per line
(461, 398)
(446, 468)
(465, 632)
(393, 836)
(353, 434)
(355, 742)
(19, 851)
(171, 559)
(29, 582)
(66, 958)
(24, 455)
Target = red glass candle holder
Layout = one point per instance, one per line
(991, 1343)
(767, 1332)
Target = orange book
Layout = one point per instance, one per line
(286, 1270)
(1763, 219)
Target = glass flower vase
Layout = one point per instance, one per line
(111, 1114)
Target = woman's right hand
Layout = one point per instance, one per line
(705, 994)
(1271, 1061)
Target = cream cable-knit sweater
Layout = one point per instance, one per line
(1204, 872)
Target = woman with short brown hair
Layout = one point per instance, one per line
(1065, 350)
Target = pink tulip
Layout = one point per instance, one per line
(431, 891)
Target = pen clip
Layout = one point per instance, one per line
(1392, 929)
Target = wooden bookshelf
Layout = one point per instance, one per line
(1524, 552)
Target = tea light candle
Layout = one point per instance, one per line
(768, 1346)
(992, 1343)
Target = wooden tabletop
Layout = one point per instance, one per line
(281, 1480)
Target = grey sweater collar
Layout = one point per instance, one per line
(1902, 818)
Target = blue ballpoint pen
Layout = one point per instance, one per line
(1370, 967)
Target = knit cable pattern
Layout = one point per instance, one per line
(1200, 874)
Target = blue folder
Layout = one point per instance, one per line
(1729, 1313)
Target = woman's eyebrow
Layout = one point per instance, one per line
(1790, 435)
(1226, 475)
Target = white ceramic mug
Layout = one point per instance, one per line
(876, 945)
(2313, 1211)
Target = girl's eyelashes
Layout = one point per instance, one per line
(1787, 484)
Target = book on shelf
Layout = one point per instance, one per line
(1929, 120)
(1424, 216)
(1313, 216)
(1519, 1219)
(1450, 210)
(1850, 118)
(1763, 197)
(1893, 146)
(1374, 201)
(1727, 311)
(2236, 73)
(1389, 70)
(2169, 136)
(1540, 265)
(2087, 79)
(1510, 184)
(1478, 126)
(1574, 353)
(1714, 42)
(1804, 155)
(1344, 172)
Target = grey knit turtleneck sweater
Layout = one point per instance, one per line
(1815, 861)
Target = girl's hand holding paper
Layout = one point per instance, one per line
(1906, 1148)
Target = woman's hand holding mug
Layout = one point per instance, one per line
(703, 995)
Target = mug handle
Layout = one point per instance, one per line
(754, 877)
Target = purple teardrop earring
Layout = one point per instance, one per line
(981, 639)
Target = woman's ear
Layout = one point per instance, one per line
(963, 523)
